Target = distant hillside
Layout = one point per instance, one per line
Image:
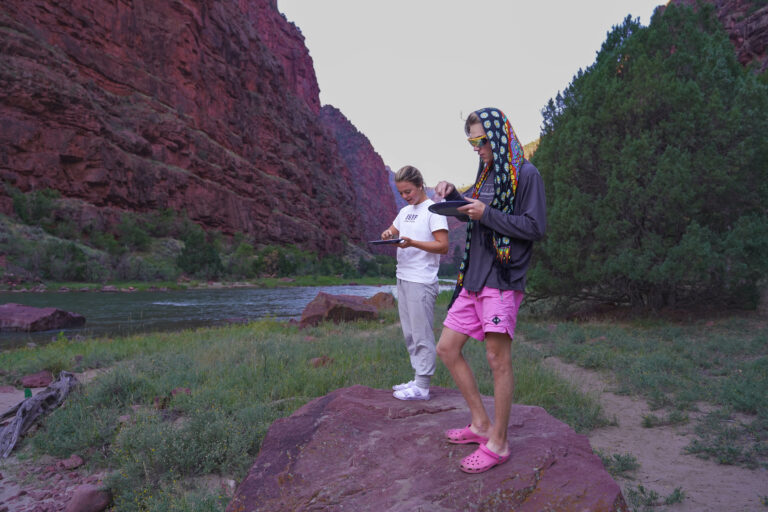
(530, 148)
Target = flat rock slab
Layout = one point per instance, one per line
(359, 448)
(16, 317)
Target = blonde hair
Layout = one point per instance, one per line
(410, 174)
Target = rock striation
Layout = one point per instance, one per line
(359, 448)
(205, 107)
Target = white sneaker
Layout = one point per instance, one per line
(412, 393)
(404, 385)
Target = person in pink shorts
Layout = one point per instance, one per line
(507, 213)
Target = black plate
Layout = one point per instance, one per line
(450, 209)
(391, 241)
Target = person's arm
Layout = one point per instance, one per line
(530, 222)
(437, 246)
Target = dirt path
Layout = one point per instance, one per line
(708, 486)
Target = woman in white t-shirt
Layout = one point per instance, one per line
(425, 238)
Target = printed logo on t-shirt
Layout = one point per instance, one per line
(496, 320)
(411, 217)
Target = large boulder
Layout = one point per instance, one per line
(381, 300)
(336, 308)
(359, 448)
(16, 317)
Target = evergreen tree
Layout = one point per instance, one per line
(655, 161)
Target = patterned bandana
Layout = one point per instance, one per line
(507, 159)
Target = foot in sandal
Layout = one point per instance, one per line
(412, 393)
(481, 460)
(404, 385)
(464, 436)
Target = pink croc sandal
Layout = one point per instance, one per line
(464, 436)
(482, 460)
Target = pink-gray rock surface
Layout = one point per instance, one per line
(359, 448)
(336, 308)
(15, 317)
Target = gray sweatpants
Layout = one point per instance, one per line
(416, 305)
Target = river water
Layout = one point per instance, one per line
(113, 314)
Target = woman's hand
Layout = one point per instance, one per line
(474, 209)
(443, 188)
(407, 242)
(386, 235)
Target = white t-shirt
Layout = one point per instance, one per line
(418, 223)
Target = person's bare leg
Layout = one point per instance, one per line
(449, 349)
(498, 350)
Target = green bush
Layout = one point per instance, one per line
(200, 257)
(35, 207)
(284, 261)
(107, 242)
(64, 261)
(332, 265)
(241, 261)
(654, 161)
(132, 234)
(379, 265)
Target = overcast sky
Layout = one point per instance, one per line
(407, 72)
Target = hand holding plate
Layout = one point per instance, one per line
(474, 209)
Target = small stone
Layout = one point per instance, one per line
(74, 461)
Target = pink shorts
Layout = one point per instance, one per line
(490, 310)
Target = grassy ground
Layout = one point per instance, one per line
(241, 378)
(719, 365)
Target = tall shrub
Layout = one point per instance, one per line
(655, 162)
(199, 257)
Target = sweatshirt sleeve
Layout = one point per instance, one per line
(529, 220)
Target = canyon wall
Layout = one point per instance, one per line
(205, 107)
(370, 177)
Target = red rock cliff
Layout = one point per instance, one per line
(198, 105)
(374, 201)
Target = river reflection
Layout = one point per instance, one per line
(113, 314)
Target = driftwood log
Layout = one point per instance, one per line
(27, 412)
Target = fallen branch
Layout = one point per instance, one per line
(28, 411)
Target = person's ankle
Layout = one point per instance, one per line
(499, 448)
(421, 381)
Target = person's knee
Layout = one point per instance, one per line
(446, 353)
(499, 361)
